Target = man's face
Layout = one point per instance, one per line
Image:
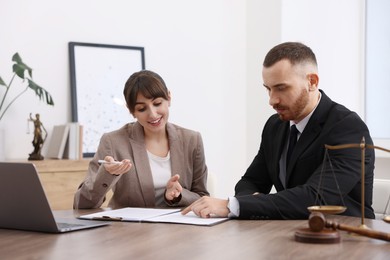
(289, 88)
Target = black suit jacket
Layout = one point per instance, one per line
(340, 177)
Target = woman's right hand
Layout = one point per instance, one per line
(116, 168)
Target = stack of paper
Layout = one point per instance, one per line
(153, 215)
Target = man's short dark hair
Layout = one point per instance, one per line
(295, 52)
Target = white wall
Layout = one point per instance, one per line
(198, 47)
(335, 31)
(209, 53)
(263, 32)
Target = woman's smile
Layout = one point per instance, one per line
(155, 122)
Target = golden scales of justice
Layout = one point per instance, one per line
(322, 231)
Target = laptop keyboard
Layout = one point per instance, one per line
(68, 225)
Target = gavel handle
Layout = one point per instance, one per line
(364, 232)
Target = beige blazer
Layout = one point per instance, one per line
(136, 188)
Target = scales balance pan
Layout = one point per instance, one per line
(327, 209)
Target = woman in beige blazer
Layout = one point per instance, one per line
(148, 163)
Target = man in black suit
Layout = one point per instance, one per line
(306, 177)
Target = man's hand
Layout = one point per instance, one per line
(207, 207)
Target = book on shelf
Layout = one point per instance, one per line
(74, 144)
(66, 142)
(57, 142)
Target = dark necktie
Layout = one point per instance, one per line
(292, 142)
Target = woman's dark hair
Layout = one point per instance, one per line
(146, 82)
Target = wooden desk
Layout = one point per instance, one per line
(234, 239)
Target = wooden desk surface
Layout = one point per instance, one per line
(234, 239)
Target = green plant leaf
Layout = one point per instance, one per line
(42, 93)
(16, 58)
(2, 82)
(19, 67)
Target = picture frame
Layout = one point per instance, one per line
(98, 73)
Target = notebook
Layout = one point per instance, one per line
(24, 205)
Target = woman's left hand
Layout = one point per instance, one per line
(173, 189)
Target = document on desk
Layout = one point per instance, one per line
(190, 219)
(173, 216)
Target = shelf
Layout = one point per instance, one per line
(46, 166)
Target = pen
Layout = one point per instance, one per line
(105, 162)
(107, 218)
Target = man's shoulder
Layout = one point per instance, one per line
(333, 112)
(340, 112)
(274, 121)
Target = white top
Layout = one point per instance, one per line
(161, 172)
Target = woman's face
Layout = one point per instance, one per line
(152, 114)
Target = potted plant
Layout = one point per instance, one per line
(19, 69)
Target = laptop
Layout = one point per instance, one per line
(24, 206)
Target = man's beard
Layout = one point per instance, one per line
(297, 108)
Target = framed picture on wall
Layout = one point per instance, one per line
(98, 73)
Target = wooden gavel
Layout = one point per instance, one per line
(317, 223)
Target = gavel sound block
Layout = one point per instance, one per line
(322, 231)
